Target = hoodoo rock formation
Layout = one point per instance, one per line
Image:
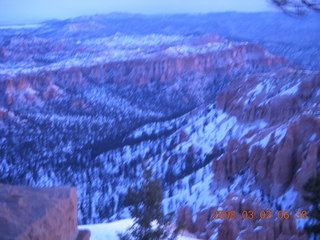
(169, 60)
(257, 228)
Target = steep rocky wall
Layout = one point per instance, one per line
(204, 226)
(264, 97)
(291, 162)
(44, 82)
(290, 107)
(38, 213)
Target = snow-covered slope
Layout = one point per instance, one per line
(110, 231)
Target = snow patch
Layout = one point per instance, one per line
(110, 231)
(291, 90)
(20, 26)
(287, 199)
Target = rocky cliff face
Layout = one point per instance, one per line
(291, 107)
(38, 213)
(274, 151)
(205, 226)
(272, 98)
(106, 60)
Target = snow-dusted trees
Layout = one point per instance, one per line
(146, 209)
(312, 195)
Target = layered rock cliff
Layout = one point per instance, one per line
(122, 60)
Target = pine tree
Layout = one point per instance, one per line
(146, 209)
(312, 195)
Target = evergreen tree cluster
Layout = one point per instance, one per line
(312, 195)
(146, 209)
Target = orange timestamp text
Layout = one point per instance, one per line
(259, 215)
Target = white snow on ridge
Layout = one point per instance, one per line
(221, 128)
(195, 195)
(107, 230)
(110, 231)
(118, 47)
(257, 89)
(20, 26)
(291, 90)
(262, 143)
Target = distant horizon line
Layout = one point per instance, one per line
(43, 21)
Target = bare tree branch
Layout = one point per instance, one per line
(297, 7)
(315, 5)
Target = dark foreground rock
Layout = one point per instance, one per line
(84, 235)
(38, 213)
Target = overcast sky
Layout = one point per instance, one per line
(28, 11)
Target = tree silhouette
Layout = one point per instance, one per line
(146, 209)
(312, 195)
